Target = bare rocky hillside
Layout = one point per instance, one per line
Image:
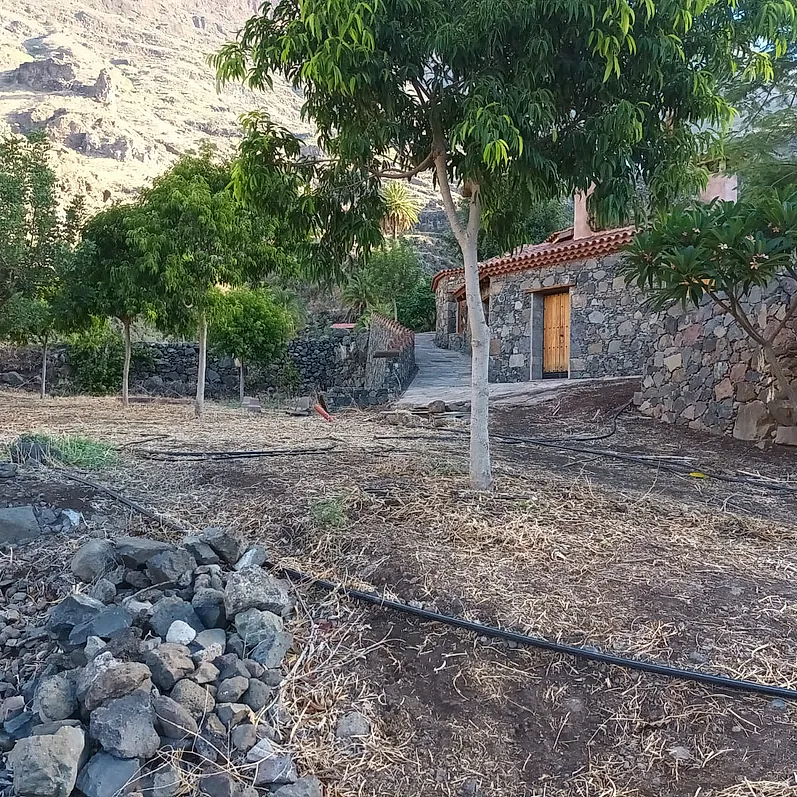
(122, 86)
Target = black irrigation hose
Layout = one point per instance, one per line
(168, 456)
(735, 684)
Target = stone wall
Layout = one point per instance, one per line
(337, 362)
(610, 331)
(706, 373)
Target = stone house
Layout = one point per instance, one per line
(559, 309)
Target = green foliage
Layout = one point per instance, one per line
(96, 357)
(526, 101)
(250, 325)
(504, 230)
(720, 250)
(330, 512)
(401, 209)
(416, 307)
(71, 450)
(25, 320)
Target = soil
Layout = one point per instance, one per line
(693, 572)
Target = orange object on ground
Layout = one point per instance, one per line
(323, 413)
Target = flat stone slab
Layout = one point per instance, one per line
(18, 525)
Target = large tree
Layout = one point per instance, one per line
(195, 235)
(514, 100)
(109, 277)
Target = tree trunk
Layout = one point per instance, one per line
(43, 392)
(241, 390)
(480, 469)
(395, 310)
(780, 376)
(199, 406)
(126, 368)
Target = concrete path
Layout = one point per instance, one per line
(445, 375)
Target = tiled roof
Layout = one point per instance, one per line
(560, 248)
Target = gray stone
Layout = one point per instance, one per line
(219, 784)
(135, 551)
(244, 737)
(93, 646)
(21, 726)
(169, 664)
(232, 714)
(257, 696)
(74, 610)
(232, 689)
(106, 624)
(165, 781)
(180, 633)
(254, 588)
(115, 682)
(125, 727)
(209, 607)
(13, 378)
(256, 556)
(174, 719)
(56, 697)
(18, 525)
(274, 766)
(212, 739)
(753, 422)
(205, 673)
(308, 786)
(193, 697)
(786, 436)
(12, 707)
(8, 470)
(231, 665)
(229, 545)
(107, 776)
(171, 567)
(352, 725)
(210, 644)
(255, 626)
(167, 610)
(47, 766)
(201, 551)
(92, 560)
(49, 728)
(103, 590)
(271, 652)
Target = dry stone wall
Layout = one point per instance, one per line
(706, 373)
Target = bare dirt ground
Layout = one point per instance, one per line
(623, 557)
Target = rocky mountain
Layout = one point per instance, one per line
(122, 86)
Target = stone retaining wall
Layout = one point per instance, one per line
(706, 373)
(334, 361)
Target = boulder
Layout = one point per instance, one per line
(74, 610)
(232, 714)
(244, 737)
(168, 610)
(103, 90)
(180, 633)
(125, 727)
(169, 663)
(255, 626)
(786, 436)
(753, 422)
(18, 525)
(115, 682)
(274, 766)
(12, 378)
(103, 590)
(271, 652)
(201, 551)
(210, 644)
(55, 697)
(45, 75)
(256, 556)
(93, 559)
(47, 766)
(209, 607)
(135, 551)
(257, 696)
(254, 588)
(171, 567)
(309, 786)
(229, 545)
(195, 698)
(107, 776)
(173, 719)
(104, 625)
(219, 784)
(231, 690)
(205, 673)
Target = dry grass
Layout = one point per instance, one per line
(547, 554)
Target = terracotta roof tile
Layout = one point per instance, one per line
(549, 254)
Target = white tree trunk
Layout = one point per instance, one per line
(199, 406)
(43, 392)
(481, 477)
(241, 386)
(126, 368)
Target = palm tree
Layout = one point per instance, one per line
(402, 209)
(359, 293)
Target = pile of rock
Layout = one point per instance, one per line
(164, 673)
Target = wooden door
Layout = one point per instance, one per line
(556, 335)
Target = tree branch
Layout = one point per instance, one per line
(390, 174)
(448, 200)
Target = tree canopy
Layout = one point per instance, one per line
(515, 100)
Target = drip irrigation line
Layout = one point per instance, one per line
(374, 599)
(735, 684)
(156, 454)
